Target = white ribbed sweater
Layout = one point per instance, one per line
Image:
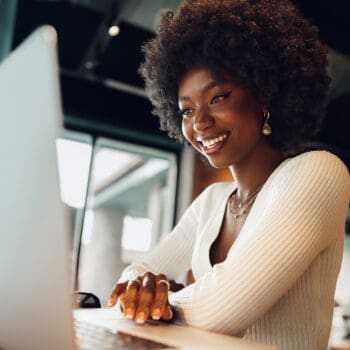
(277, 283)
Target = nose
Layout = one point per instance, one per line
(203, 120)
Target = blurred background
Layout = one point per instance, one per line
(126, 183)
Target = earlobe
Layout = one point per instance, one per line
(263, 104)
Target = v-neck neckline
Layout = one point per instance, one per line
(221, 222)
(218, 223)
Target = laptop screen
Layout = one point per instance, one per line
(35, 295)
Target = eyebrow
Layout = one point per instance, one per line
(204, 89)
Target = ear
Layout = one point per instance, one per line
(263, 105)
(265, 109)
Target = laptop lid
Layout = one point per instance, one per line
(35, 298)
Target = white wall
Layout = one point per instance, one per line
(342, 294)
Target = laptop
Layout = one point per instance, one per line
(35, 285)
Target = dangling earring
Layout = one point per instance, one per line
(266, 129)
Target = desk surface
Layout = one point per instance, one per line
(174, 335)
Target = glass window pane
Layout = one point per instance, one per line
(130, 206)
(74, 158)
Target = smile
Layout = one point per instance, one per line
(213, 145)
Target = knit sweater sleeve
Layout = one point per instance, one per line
(172, 256)
(300, 212)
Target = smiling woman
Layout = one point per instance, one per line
(222, 120)
(244, 82)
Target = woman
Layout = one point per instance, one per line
(244, 82)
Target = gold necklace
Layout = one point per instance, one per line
(238, 207)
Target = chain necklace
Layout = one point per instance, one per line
(238, 207)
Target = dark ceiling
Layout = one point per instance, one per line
(102, 91)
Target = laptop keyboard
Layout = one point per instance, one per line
(92, 337)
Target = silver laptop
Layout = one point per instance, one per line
(34, 234)
(35, 291)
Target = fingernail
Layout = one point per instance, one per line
(128, 314)
(156, 314)
(140, 317)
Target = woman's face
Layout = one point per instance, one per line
(220, 119)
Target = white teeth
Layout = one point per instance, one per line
(211, 143)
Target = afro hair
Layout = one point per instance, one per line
(266, 45)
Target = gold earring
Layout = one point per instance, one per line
(266, 129)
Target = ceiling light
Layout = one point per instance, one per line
(114, 30)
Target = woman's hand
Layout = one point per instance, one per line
(144, 297)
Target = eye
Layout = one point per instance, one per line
(218, 98)
(186, 113)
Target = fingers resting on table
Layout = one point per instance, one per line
(145, 297)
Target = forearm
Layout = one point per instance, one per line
(172, 256)
(286, 232)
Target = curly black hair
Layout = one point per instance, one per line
(267, 46)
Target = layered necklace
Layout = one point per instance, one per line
(239, 207)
